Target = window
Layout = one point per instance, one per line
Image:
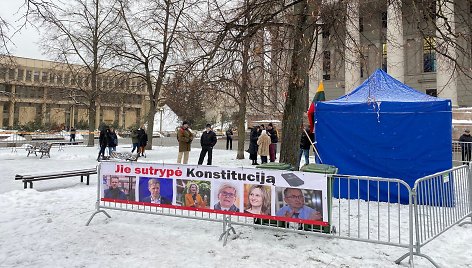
(36, 76)
(44, 77)
(326, 65)
(384, 57)
(361, 24)
(29, 75)
(3, 73)
(59, 78)
(11, 74)
(432, 92)
(429, 54)
(384, 20)
(20, 74)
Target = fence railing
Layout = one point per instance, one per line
(435, 204)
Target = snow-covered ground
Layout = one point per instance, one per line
(45, 227)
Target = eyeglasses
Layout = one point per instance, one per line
(226, 194)
(300, 197)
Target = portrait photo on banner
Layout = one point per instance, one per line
(299, 203)
(226, 196)
(156, 190)
(257, 199)
(193, 193)
(119, 187)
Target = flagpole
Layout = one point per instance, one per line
(312, 144)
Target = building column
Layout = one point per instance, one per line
(97, 116)
(352, 69)
(395, 45)
(446, 75)
(316, 72)
(11, 112)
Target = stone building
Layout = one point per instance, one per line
(55, 94)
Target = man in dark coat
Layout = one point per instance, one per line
(466, 146)
(305, 145)
(142, 140)
(229, 139)
(103, 142)
(207, 141)
(114, 191)
(255, 132)
(273, 142)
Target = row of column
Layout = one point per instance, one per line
(446, 76)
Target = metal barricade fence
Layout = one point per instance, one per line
(370, 210)
(461, 152)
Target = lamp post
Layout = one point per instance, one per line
(161, 110)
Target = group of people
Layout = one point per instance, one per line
(107, 138)
(263, 142)
(139, 139)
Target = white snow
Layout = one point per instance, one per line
(45, 227)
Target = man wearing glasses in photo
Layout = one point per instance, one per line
(295, 206)
(226, 198)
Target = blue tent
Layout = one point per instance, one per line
(384, 128)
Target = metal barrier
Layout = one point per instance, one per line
(436, 203)
(441, 201)
(461, 152)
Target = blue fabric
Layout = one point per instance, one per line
(384, 128)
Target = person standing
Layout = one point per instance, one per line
(103, 142)
(185, 138)
(135, 140)
(305, 144)
(142, 140)
(263, 142)
(229, 139)
(72, 134)
(466, 146)
(253, 144)
(274, 139)
(207, 141)
(113, 141)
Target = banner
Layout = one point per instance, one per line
(267, 194)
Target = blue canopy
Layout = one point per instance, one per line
(384, 128)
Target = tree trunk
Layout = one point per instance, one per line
(295, 103)
(150, 124)
(243, 99)
(91, 126)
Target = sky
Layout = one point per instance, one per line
(25, 42)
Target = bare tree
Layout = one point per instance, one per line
(79, 33)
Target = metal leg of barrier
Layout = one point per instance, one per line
(95, 213)
(399, 260)
(227, 228)
(466, 222)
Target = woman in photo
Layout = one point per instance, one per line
(258, 200)
(193, 198)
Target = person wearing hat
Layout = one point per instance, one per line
(207, 141)
(185, 138)
(466, 146)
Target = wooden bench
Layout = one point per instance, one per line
(124, 156)
(63, 174)
(61, 144)
(44, 148)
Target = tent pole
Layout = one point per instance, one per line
(314, 147)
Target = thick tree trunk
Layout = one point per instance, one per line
(150, 124)
(296, 97)
(243, 99)
(91, 126)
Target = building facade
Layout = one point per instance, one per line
(56, 95)
(425, 44)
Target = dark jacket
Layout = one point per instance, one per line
(164, 200)
(142, 137)
(208, 139)
(466, 138)
(304, 141)
(254, 136)
(273, 135)
(104, 137)
(113, 139)
(229, 133)
(114, 194)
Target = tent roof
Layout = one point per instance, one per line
(382, 87)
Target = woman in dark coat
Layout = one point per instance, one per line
(255, 132)
(143, 139)
(103, 142)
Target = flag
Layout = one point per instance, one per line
(319, 96)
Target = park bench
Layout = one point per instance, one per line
(124, 156)
(61, 144)
(44, 148)
(29, 179)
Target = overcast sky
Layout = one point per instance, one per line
(26, 41)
